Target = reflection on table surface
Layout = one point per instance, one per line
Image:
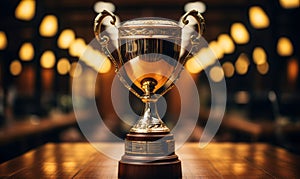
(217, 160)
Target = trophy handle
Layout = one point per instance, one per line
(99, 20)
(103, 40)
(195, 39)
(200, 22)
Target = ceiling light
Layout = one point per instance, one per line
(239, 33)
(101, 5)
(77, 47)
(63, 66)
(25, 10)
(48, 26)
(65, 38)
(258, 18)
(242, 64)
(15, 67)
(193, 67)
(284, 46)
(288, 4)
(26, 52)
(259, 56)
(217, 49)
(3, 40)
(216, 73)
(226, 43)
(198, 5)
(47, 59)
(228, 69)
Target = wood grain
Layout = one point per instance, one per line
(217, 160)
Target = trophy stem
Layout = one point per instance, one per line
(149, 122)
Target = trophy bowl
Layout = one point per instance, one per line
(148, 60)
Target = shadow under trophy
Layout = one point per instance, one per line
(148, 61)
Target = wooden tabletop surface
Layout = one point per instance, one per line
(217, 160)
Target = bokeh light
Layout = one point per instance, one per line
(25, 10)
(48, 59)
(239, 33)
(26, 52)
(48, 26)
(65, 38)
(15, 67)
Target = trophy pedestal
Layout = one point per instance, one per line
(149, 156)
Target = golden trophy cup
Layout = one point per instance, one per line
(148, 61)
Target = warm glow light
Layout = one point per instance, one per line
(65, 38)
(205, 57)
(263, 68)
(15, 67)
(75, 70)
(242, 97)
(259, 56)
(242, 64)
(239, 33)
(198, 5)
(77, 47)
(101, 5)
(49, 168)
(226, 43)
(48, 59)
(288, 4)
(26, 52)
(63, 66)
(239, 168)
(216, 73)
(95, 59)
(201, 60)
(48, 26)
(3, 40)
(258, 18)
(284, 46)
(25, 10)
(228, 69)
(217, 49)
(105, 67)
(192, 66)
(292, 70)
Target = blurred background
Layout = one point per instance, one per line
(257, 44)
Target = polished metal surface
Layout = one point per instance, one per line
(149, 59)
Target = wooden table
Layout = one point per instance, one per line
(217, 160)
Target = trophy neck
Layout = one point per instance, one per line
(148, 85)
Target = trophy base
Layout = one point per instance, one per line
(149, 156)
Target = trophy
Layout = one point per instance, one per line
(148, 61)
